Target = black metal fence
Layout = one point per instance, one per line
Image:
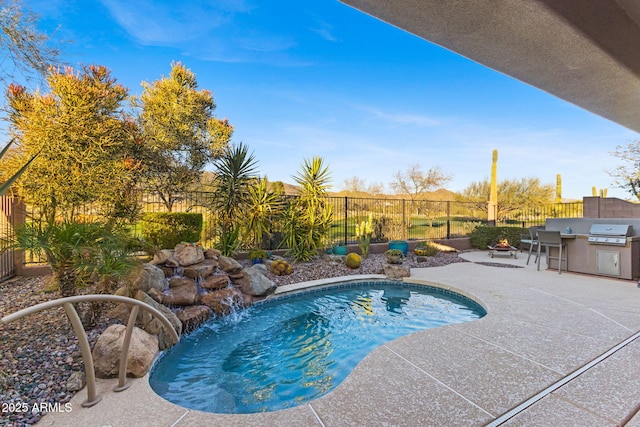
(392, 218)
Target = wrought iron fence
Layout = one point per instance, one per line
(392, 218)
(405, 219)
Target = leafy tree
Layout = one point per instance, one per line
(180, 132)
(308, 218)
(512, 194)
(25, 50)
(356, 187)
(85, 142)
(627, 175)
(414, 183)
(4, 187)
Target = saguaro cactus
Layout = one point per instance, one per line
(558, 188)
(602, 192)
(493, 192)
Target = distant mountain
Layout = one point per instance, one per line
(441, 194)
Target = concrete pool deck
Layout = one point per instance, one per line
(541, 327)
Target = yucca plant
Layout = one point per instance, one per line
(264, 206)
(308, 219)
(235, 170)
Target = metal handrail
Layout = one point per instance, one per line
(72, 314)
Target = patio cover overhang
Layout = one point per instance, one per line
(585, 52)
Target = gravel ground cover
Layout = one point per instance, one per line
(39, 353)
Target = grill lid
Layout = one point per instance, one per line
(610, 230)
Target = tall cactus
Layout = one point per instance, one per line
(558, 188)
(493, 196)
(493, 192)
(602, 192)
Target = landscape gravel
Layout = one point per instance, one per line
(39, 353)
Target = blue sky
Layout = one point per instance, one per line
(299, 79)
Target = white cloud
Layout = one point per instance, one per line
(324, 30)
(170, 24)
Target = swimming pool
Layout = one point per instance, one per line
(291, 350)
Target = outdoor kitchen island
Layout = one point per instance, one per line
(600, 246)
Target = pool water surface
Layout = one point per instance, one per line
(288, 351)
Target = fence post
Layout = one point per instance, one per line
(448, 219)
(346, 217)
(404, 218)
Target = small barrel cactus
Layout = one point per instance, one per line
(281, 267)
(353, 261)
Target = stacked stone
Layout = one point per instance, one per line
(188, 285)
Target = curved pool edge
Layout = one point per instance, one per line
(384, 390)
(320, 283)
(466, 294)
(326, 284)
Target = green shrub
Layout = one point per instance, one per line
(484, 236)
(167, 229)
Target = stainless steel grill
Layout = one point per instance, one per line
(609, 234)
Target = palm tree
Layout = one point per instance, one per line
(75, 250)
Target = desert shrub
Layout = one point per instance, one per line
(167, 229)
(484, 236)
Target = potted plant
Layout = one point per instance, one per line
(401, 245)
(339, 249)
(394, 256)
(257, 256)
(425, 249)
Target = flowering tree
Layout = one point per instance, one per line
(83, 138)
(181, 135)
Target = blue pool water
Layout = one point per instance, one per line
(289, 351)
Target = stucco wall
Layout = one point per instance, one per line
(610, 207)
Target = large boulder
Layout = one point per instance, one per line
(162, 256)
(212, 253)
(187, 294)
(145, 277)
(106, 353)
(218, 281)
(258, 284)
(194, 316)
(223, 301)
(188, 255)
(396, 271)
(153, 326)
(202, 269)
(229, 265)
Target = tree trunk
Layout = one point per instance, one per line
(66, 276)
